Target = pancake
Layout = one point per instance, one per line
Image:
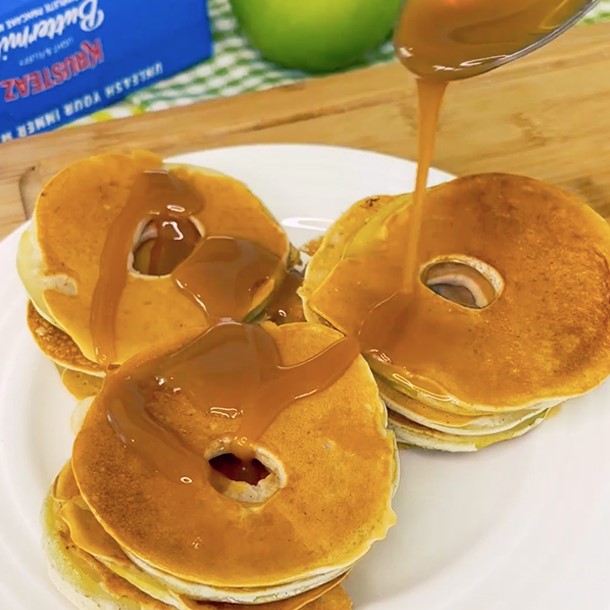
(89, 583)
(451, 423)
(329, 251)
(58, 346)
(81, 377)
(60, 256)
(332, 467)
(81, 385)
(543, 339)
(413, 434)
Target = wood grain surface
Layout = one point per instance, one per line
(546, 116)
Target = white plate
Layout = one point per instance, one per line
(523, 525)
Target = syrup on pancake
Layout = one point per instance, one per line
(441, 41)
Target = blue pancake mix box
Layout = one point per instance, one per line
(63, 59)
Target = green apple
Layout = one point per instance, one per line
(316, 35)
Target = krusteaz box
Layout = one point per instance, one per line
(62, 59)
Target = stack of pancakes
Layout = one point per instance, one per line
(510, 313)
(122, 533)
(60, 254)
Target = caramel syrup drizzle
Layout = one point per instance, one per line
(155, 194)
(219, 273)
(223, 273)
(232, 369)
(440, 41)
(176, 239)
(430, 98)
(285, 306)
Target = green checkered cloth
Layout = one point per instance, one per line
(236, 67)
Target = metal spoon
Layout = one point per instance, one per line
(435, 39)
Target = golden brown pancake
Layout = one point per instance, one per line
(337, 476)
(413, 434)
(328, 253)
(448, 422)
(81, 385)
(57, 345)
(78, 573)
(336, 599)
(544, 338)
(74, 213)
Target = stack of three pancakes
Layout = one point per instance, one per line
(508, 318)
(121, 530)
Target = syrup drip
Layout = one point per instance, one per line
(221, 274)
(440, 41)
(430, 98)
(232, 370)
(286, 305)
(382, 333)
(224, 273)
(232, 367)
(174, 240)
(155, 194)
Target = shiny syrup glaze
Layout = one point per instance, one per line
(175, 239)
(285, 306)
(219, 273)
(154, 195)
(382, 332)
(223, 274)
(430, 97)
(440, 41)
(231, 370)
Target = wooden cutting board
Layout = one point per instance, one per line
(546, 116)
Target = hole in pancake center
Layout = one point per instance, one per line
(466, 281)
(162, 243)
(250, 482)
(231, 467)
